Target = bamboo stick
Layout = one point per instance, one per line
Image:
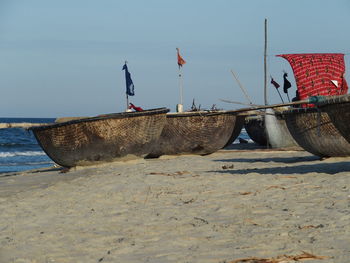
(242, 88)
(260, 107)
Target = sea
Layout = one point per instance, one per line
(20, 151)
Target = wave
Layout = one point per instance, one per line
(26, 164)
(27, 153)
(16, 144)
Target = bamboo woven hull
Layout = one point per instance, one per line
(255, 128)
(338, 109)
(102, 139)
(195, 133)
(277, 132)
(314, 132)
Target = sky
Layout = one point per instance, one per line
(65, 58)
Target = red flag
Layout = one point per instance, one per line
(273, 82)
(180, 60)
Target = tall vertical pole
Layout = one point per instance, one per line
(265, 65)
(180, 86)
(179, 107)
(180, 62)
(127, 101)
(265, 85)
(126, 90)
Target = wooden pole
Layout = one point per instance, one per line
(280, 95)
(180, 86)
(126, 91)
(265, 65)
(260, 107)
(288, 96)
(127, 101)
(242, 88)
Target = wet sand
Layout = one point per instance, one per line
(217, 208)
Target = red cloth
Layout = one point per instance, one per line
(318, 74)
(132, 106)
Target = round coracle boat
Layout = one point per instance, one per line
(198, 132)
(338, 109)
(314, 131)
(104, 138)
(255, 128)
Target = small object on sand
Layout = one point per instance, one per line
(225, 167)
(64, 170)
(284, 258)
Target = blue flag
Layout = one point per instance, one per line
(128, 81)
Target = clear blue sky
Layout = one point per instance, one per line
(64, 57)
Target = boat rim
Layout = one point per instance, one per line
(200, 113)
(301, 110)
(335, 100)
(119, 115)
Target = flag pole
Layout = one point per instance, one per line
(127, 102)
(288, 96)
(126, 93)
(275, 83)
(280, 95)
(180, 62)
(180, 86)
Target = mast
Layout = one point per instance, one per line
(127, 102)
(180, 86)
(265, 65)
(180, 62)
(126, 93)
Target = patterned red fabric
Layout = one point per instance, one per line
(318, 74)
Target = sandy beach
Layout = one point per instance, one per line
(230, 205)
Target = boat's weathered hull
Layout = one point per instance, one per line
(277, 132)
(101, 139)
(255, 128)
(314, 132)
(195, 133)
(338, 109)
(237, 128)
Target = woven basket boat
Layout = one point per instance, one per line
(255, 128)
(103, 138)
(338, 109)
(314, 131)
(197, 132)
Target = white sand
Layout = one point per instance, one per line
(215, 208)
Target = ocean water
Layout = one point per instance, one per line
(20, 151)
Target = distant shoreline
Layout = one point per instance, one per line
(20, 125)
(24, 122)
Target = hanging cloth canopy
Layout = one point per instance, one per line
(318, 74)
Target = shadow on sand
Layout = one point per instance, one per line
(273, 159)
(315, 166)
